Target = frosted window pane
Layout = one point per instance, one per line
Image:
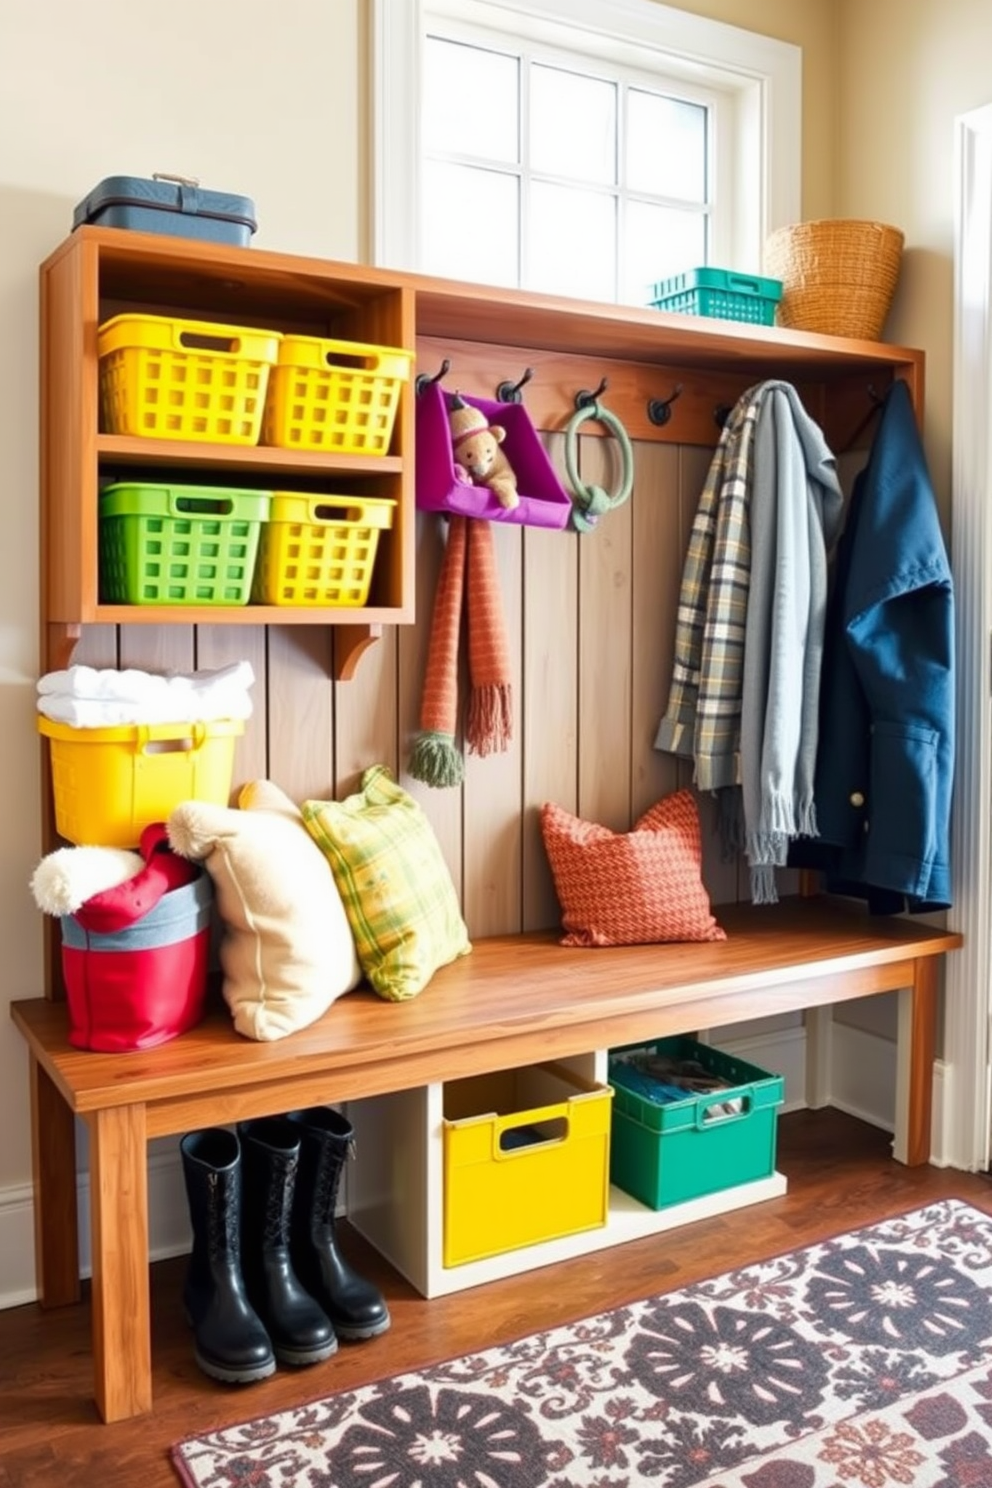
(659, 242)
(666, 147)
(573, 125)
(470, 226)
(572, 242)
(471, 101)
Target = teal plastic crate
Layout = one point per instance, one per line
(668, 1152)
(720, 294)
(179, 545)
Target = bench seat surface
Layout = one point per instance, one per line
(514, 999)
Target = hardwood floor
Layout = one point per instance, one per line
(840, 1176)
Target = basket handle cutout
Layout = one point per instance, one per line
(348, 359)
(169, 746)
(205, 505)
(201, 341)
(728, 1105)
(330, 511)
(525, 1134)
(154, 738)
(743, 284)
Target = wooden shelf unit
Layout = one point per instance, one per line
(98, 273)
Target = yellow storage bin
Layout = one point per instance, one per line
(319, 550)
(110, 783)
(164, 378)
(338, 396)
(526, 1159)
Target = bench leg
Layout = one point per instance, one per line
(914, 1076)
(56, 1223)
(122, 1361)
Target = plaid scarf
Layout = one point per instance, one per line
(703, 718)
(468, 580)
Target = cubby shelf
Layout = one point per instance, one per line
(98, 273)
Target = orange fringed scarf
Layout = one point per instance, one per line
(468, 580)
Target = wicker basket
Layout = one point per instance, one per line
(837, 276)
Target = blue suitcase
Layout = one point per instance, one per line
(173, 205)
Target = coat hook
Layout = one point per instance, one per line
(510, 392)
(660, 409)
(584, 398)
(721, 413)
(423, 380)
(875, 402)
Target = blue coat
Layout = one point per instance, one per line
(885, 754)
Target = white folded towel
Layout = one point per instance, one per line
(85, 697)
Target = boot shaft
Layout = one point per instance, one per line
(327, 1142)
(270, 1148)
(211, 1161)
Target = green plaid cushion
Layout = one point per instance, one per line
(394, 882)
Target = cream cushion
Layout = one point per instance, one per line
(286, 951)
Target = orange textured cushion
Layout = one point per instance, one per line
(630, 888)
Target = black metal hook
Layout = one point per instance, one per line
(510, 392)
(875, 401)
(721, 414)
(660, 409)
(584, 398)
(424, 380)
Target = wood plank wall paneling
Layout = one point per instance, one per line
(549, 706)
(493, 895)
(443, 807)
(590, 619)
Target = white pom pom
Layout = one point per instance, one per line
(66, 878)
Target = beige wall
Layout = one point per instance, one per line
(907, 69)
(812, 25)
(265, 100)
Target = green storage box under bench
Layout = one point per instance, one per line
(665, 1152)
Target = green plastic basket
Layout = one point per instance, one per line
(720, 294)
(179, 545)
(666, 1153)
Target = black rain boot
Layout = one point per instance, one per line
(300, 1331)
(230, 1343)
(355, 1307)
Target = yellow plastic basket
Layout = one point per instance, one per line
(338, 396)
(319, 550)
(526, 1159)
(108, 784)
(162, 378)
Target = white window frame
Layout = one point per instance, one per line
(764, 74)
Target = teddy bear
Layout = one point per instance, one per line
(478, 456)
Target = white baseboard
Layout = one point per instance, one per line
(863, 1075)
(17, 1284)
(942, 1123)
(167, 1218)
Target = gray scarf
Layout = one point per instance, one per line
(796, 508)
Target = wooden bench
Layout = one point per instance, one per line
(515, 1000)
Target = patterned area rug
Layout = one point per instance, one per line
(861, 1362)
